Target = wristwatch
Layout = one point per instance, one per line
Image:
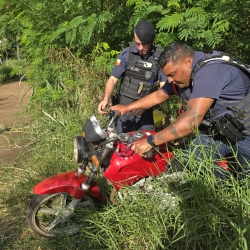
(150, 140)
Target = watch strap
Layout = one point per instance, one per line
(150, 140)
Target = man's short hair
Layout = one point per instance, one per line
(174, 52)
(145, 31)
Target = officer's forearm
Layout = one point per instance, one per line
(185, 124)
(108, 92)
(110, 85)
(178, 129)
(148, 101)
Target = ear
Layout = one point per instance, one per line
(188, 62)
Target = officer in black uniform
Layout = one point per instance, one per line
(139, 72)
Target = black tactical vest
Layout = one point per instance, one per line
(140, 76)
(241, 111)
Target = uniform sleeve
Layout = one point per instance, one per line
(210, 80)
(161, 76)
(168, 89)
(120, 64)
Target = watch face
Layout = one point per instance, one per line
(150, 140)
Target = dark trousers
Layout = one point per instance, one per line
(128, 123)
(217, 147)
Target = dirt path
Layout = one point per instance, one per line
(13, 101)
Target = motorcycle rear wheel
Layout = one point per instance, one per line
(53, 214)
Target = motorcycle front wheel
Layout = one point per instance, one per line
(59, 213)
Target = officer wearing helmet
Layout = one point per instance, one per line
(139, 72)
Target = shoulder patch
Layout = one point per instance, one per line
(118, 61)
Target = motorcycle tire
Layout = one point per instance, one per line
(51, 215)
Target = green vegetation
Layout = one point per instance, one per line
(12, 68)
(66, 51)
(4, 73)
(201, 215)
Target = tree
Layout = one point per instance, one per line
(4, 46)
(81, 25)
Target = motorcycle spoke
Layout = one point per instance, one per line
(63, 212)
(58, 214)
(54, 223)
(64, 199)
(69, 230)
(85, 203)
(58, 206)
(61, 218)
(47, 210)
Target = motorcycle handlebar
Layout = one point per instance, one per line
(113, 114)
(150, 153)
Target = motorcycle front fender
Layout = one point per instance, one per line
(69, 182)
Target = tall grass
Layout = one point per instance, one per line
(205, 217)
(198, 214)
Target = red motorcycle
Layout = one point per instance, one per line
(62, 201)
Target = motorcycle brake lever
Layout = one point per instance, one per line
(150, 153)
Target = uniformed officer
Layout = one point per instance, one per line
(139, 72)
(214, 87)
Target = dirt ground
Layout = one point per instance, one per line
(13, 101)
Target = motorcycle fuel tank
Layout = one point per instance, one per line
(127, 167)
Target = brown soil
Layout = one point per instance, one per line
(13, 102)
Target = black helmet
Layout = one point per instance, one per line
(145, 31)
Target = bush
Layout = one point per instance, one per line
(12, 68)
(18, 67)
(5, 70)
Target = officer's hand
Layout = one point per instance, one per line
(103, 104)
(141, 147)
(137, 112)
(121, 108)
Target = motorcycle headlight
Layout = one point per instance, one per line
(81, 149)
